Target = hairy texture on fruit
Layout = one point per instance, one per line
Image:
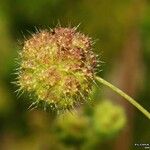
(58, 67)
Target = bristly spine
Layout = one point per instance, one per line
(58, 66)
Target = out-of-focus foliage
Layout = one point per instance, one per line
(108, 21)
(108, 119)
(72, 128)
(87, 131)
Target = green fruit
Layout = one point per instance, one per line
(108, 118)
(58, 67)
(72, 128)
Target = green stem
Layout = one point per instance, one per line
(128, 98)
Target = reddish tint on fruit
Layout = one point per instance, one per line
(58, 67)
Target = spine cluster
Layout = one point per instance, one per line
(58, 66)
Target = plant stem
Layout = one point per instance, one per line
(127, 97)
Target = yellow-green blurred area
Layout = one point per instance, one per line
(121, 30)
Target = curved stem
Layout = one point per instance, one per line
(127, 97)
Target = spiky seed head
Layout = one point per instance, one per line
(58, 67)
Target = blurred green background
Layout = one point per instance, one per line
(121, 30)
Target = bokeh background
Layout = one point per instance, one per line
(121, 30)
